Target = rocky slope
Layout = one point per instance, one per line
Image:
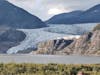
(52, 46)
(9, 38)
(91, 15)
(15, 17)
(87, 44)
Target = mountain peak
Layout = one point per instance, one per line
(96, 7)
(15, 17)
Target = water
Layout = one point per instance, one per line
(45, 59)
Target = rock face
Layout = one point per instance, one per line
(87, 44)
(91, 15)
(52, 46)
(79, 46)
(95, 44)
(10, 38)
(15, 17)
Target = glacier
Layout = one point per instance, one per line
(74, 29)
(34, 36)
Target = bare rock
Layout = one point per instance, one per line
(52, 46)
(87, 44)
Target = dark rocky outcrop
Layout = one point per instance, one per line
(10, 38)
(15, 17)
(12, 35)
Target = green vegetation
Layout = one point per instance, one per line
(96, 27)
(48, 69)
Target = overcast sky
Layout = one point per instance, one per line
(45, 9)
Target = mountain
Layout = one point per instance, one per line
(91, 15)
(15, 17)
(87, 44)
(64, 18)
(9, 38)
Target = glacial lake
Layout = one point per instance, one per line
(45, 59)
